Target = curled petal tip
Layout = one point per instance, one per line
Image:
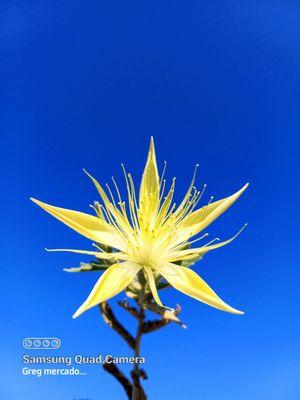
(235, 311)
(76, 314)
(232, 310)
(244, 187)
(241, 191)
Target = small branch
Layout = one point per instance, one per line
(166, 314)
(130, 309)
(150, 326)
(133, 386)
(112, 369)
(163, 285)
(112, 321)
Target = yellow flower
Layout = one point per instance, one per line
(149, 234)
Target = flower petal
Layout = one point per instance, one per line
(87, 225)
(115, 279)
(188, 282)
(200, 219)
(151, 282)
(199, 252)
(149, 189)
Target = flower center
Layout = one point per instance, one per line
(145, 255)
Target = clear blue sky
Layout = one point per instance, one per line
(85, 84)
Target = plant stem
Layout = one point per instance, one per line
(138, 391)
(133, 387)
(120, 377)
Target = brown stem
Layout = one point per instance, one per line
(121, 378)
(111, 320)
(133, 387)
(138, 392)
(130, 309)
(150, 326)
(166, 314)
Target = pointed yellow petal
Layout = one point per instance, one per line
(87, 225)
(201, 251)
(151, 281)
(188, 282)
(149, 189)
(115, 279)
(200, 219)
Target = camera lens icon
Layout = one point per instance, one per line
(55, 343)
(27, 343)
(41, 343)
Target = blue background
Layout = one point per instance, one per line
(85, 84)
